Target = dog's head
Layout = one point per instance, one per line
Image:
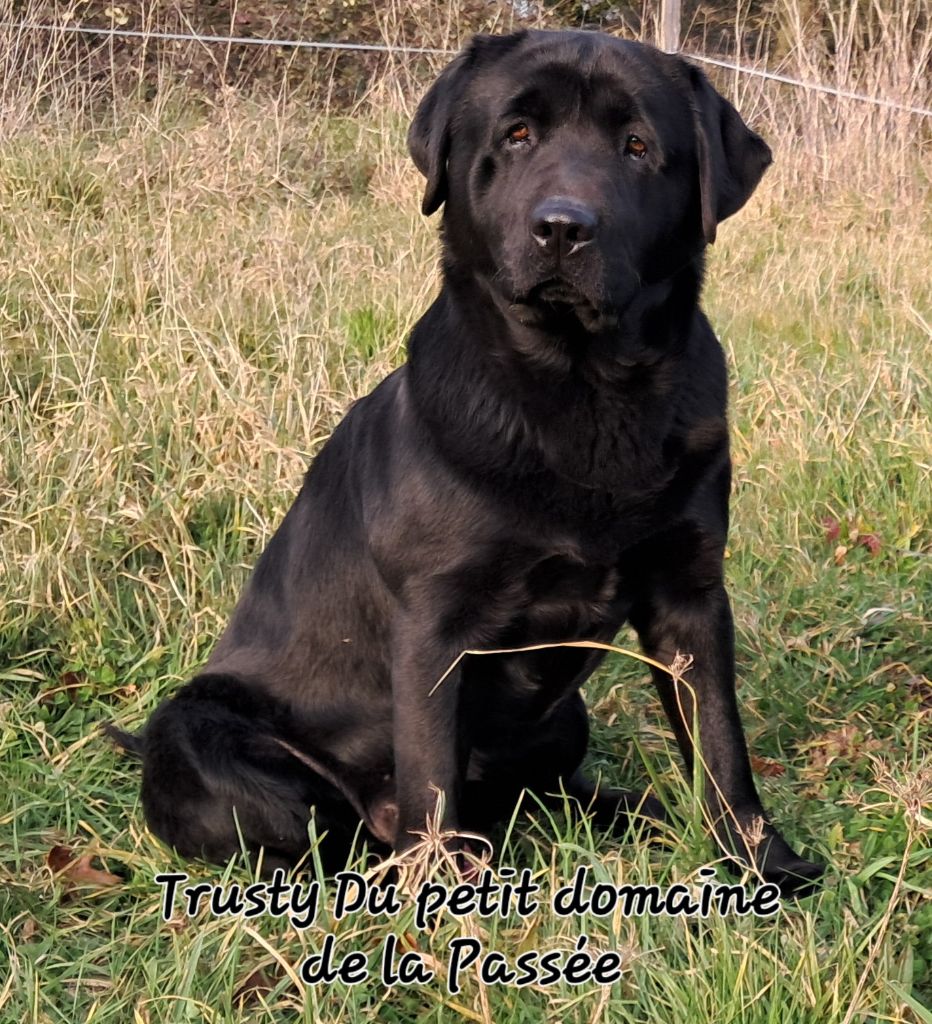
(577, 167)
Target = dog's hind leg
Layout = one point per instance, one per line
(614, 809)
(217, 779)
(550, 767)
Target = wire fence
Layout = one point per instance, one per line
(307, 44)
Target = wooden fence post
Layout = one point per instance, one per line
(670, 21)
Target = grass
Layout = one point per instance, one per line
(192, 294)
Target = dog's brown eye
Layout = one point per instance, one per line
(519, 133)
(635, 147)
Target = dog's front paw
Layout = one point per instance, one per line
(796, 876)
(761, 846)
(463, 854)
(470, 856)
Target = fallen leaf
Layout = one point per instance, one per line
(78, 870)
(59, 857)
(766, 768)
(840, 553)
(832, 529)
(258, 983)
(847, 743)
(530, 939)
(70, 683)
(871, 541)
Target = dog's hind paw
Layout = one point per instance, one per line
(796, 877)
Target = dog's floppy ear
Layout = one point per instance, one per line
(429, 134)
(732, 158)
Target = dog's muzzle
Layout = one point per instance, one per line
(556, 302)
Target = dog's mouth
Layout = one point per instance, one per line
(556, 304)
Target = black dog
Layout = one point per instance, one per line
(551, 461)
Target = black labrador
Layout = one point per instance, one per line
(551, 462)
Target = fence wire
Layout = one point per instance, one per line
(309, 44)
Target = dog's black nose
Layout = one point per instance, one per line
(562, 226)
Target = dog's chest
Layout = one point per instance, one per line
(566, 599)
(558, 599)
(609, 432)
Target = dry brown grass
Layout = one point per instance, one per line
(192, 290)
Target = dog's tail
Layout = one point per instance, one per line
(127, 740)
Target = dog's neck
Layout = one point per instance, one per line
(571, 404)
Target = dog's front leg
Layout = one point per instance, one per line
(428, 754)
(676, 618)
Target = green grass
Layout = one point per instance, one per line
(191, 297)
